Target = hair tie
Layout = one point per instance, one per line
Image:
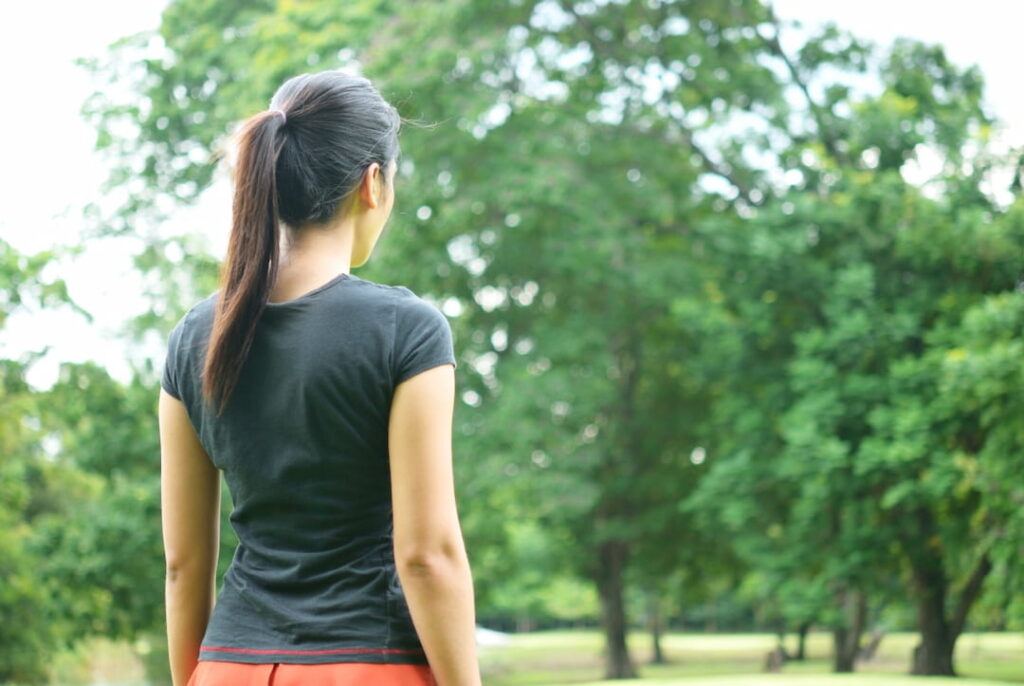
(284, 118)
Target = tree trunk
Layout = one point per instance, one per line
(801, 645)
(654, 622)
(846, 637)
(933, 656)
(780, 635)
(841, 662)
(611, 564)
(869, 651)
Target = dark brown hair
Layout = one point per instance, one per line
(297, 162)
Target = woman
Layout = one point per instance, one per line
(326, 401)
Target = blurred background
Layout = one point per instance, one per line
(737, 290)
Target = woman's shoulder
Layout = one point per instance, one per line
(201, 311)
(404, 297)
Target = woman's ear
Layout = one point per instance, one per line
(368, 188)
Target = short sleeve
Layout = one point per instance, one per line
(169, 379)
(423, 338)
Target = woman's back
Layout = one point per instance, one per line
(303, 445)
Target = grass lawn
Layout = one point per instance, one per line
(807, 680)
(559, 658)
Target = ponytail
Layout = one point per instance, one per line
(250, 269)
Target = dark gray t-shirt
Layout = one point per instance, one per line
(303, 446)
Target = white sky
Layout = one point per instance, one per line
(49, 170)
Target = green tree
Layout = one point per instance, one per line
(858, 274)
(32, 486)
(24, 638)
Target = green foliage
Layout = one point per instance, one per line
(25, 639)
(30, 486)
(875, 444)
(24, 285)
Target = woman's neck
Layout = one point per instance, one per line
(311, 259)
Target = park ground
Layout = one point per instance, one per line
(560, 658)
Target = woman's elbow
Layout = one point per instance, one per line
(175, 570)
(185, 567)
(438, 559)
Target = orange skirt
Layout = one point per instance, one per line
(218, 673)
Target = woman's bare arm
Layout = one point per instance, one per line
(190, 514)
(429, 551)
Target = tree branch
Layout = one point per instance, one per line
(825, 132)
(710, 166)
(970, 593)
